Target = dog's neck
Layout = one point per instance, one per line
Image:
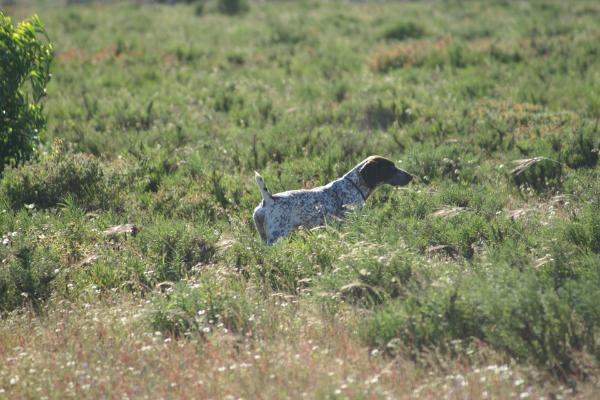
(357, 183)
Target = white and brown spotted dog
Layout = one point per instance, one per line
(278, 214)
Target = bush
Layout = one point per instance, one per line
(444, 161)
(26, 273)
(513, 311)
(175, 248)
(233, 7)
(24, 74)
(383, 115)
(53, 180)
(203, 307)
(584, 230)
(199, 8)
(463, 232)
(582, 150)
(385, 275)
(404, 30)
(539, 173)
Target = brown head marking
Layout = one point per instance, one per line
(378, 170)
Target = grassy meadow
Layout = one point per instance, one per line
(479, 280)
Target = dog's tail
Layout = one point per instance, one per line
(264, 192)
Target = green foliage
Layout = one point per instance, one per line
(383, 116)
(24, 74)
(404, 30)
(202, 307)
(509, 309)
(540, 174)
(582, 149)
(448, 162)
(175, 249)
(26, 273)
(233, 7)
(56, 178)
(199, 8)
(584, 230)
(494, 109)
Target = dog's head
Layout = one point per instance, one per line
(378, 170)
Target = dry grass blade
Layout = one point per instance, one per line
(523, 164)
(540, 262)
(517, 213)
(441, 249)
(88, 260)
(448, 212)
(358, 292)
(118, 229)
(225, 243)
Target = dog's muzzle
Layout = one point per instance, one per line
(400, 178)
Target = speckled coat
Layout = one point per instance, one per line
(277, 215)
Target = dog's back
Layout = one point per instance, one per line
(277, 215)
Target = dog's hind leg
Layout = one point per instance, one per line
(259, 222)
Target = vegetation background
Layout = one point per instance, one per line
(481, 280)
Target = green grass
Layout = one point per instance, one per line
(158, 116)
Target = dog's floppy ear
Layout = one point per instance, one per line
(378, 170)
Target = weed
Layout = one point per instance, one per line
(175, 249)
(538, 173)
(582, 149)
(233, 7)
(27, 272)
(205, 306)
(403, 31)
(57, 177)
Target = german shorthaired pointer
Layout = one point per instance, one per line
(278, 214)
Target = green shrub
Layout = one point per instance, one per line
(506, 56)
(202, 307)
(233, 7)
(463, 232)
(175, 1)
(174, 248)
(582, 149)
(283, 266)
(56, 178)
(511, 310)
(584, 229)
(24, 74)
(382, 116)
(26, 272)
(199, 8)
(445, 161)
(403, 31)
(385, 274)
(539, 173)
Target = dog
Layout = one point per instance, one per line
(279, 214)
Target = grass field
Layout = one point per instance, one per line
(480, 280)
